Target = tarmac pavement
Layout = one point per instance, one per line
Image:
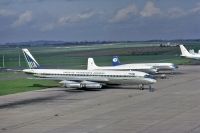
(174, 107)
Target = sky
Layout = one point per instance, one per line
(93, 20)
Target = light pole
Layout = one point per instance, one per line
(3, 61)
(19, 58)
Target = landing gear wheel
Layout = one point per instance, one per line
(141, 86)
(151, 89)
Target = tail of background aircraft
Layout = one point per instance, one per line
(91, 64)
(115, 61)
(32, 63)
(184, 51)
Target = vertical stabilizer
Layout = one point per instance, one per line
(32, 63)
(184, 51)
(115, 61)
(91, 64)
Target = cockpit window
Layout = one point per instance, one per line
(175, 66)
(149, 76)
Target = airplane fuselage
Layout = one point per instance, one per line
(192, 56)
(163, 66)
(128, 67)
(108, 77)
(156, 66)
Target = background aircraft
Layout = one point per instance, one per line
(126, 67)
(186, 54)
(158, 66)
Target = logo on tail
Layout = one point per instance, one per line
(32, 63)
(115, 61)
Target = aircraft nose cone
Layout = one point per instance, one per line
(152, 81)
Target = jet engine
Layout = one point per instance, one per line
(84, 84)
(70, 84)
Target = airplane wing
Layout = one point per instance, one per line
(79, 79)
(79, 83)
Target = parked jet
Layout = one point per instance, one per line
(158, 66)
(87, 78)
(191, 51)
(126, 67)
(186, 54)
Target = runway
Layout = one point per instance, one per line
(174, 107)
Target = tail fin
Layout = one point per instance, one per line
(91, 64)
(184, 51)
(32, 63)
(115, 61)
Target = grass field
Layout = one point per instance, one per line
(14, 82)
(76, 58)
(22, 85)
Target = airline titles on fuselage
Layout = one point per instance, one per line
(93, 73)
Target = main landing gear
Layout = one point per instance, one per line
(141, 87)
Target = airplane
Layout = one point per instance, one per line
(186, 54)
(126, 67)
(158, 66)
(191, 51)
(87, 79)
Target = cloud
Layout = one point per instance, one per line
(176, 12)
(125, 13)
(4, 12)
(196, 9)
(48, 27)
(76, 18)
(23, 19)
(150, 10)
(64, 20)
